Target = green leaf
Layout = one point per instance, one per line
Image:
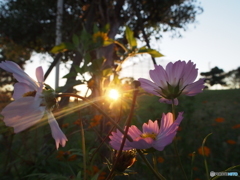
(95, 177)
(75, 40)
(106, 28)
(71, 74)
(107, 72)
(59, 48)
(152, 52)
(78, 69)
(79, 175)
(71, 83)
(130, 38)
(108, 42)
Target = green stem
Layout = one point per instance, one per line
(121, 45)
(154, 161)
(173, 110)
(175, 143)
(205, 159)
(128, 123)
(179, 159)
(157, 174)
(193, 158)
(84, 152)
(9, 146)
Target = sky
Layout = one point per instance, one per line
(213, 41)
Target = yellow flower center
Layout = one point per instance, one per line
(30, 93)
(151, 135)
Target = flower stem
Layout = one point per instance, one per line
(175, 143)
(179, 159)
(128, 123)
(83, 151)
(157, 174)
(205, 159)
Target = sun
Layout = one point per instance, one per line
(113, 94)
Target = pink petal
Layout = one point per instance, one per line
(190, 73)
(40, 78)
(57, 133)
(159, 76)
(39, 74)
(150, 127)
(194, 88)
(168, 131)
(116, 141)
(143, 143)
(23, 113)
(149, 86)
(134, 132)
(166, 122)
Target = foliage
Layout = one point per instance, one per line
(214, 76)
(233, 78)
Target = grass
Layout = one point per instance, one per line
(213, 111)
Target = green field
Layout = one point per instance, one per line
(213, 111)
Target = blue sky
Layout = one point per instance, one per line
(213, 41)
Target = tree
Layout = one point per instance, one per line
(30, 25)
(233, 78)
(214, 76)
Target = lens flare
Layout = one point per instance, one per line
(113, 94)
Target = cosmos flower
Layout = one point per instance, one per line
(178, 78)
(32, 100)
(151, 135)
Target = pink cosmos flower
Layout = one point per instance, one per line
(177, 79)
(151, 135)
(30, 103)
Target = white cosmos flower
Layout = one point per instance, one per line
(29, 105)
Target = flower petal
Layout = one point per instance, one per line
(190, 73)
(57, 133)
(159, 76)
(18, 73)
(168, 131)
(142, 143)
(40, 78)
(134, 132)
(149, 86)
(20, 89)
(23, 113)
(116, 141)
(151, 127)
(194, 88)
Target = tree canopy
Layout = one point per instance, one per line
(29, 25)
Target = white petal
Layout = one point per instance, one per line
(18, 73)
(57, 133)
(23, 113)
(20, 89)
